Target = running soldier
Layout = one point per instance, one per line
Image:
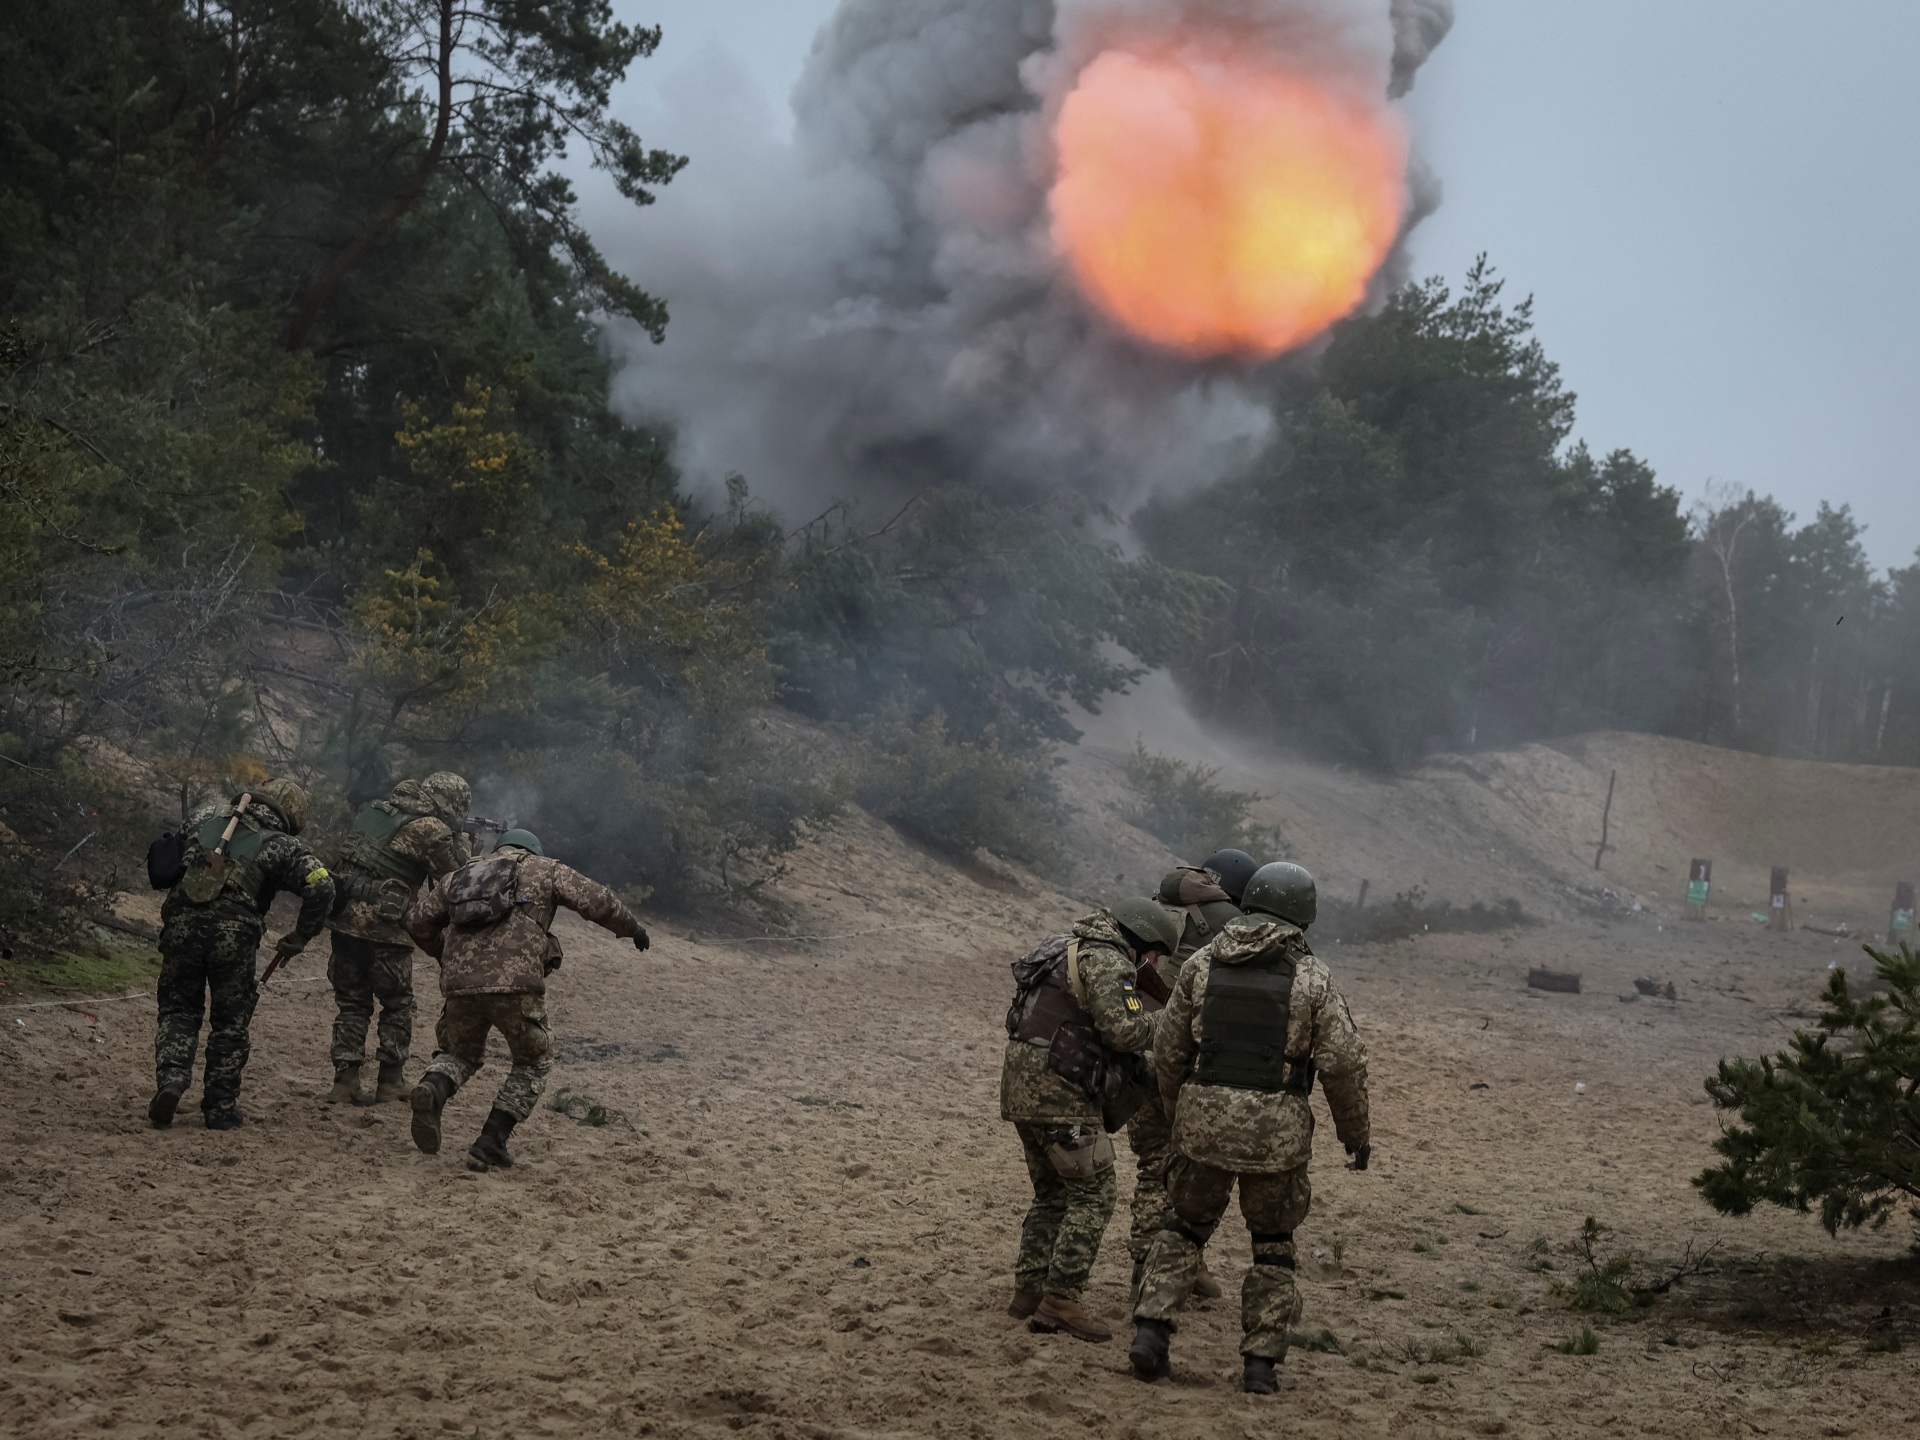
(396, 845)
(1254, 1018)
(1075, 1023)
(488, 926)
(239, 856)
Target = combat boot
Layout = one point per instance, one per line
(1149, 1352)
(1024, 1303)
(165, 1101)
(489, 1152)
(392, 1084)
(346, 1086)
(225, 1118)
(1206, 1287)
(1057, 1312)
(1257, 1376)
(429, 1096)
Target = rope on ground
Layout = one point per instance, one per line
(83, 1000)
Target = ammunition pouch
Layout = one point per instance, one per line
(1078, 1152)
(1243, 1029)
(1046, 1013)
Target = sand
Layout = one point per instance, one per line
(800, 1219)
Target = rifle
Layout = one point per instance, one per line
(1147, 980)
(217, 861)
(280, 957)
(480, 824)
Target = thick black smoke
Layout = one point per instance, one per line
(876, 304)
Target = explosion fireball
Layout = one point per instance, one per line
(1219, 206)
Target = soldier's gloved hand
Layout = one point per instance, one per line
(640, 941)
(288, 946)
(1360, 1157)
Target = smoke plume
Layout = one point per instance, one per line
(880, 303)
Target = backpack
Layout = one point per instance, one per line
(167, 861)
(481, 893)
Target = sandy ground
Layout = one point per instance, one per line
(800, 1222)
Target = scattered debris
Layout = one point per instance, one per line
(1565, 982)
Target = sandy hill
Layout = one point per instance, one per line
(1525, 823)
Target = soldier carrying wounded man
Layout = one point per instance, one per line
(1253, 1020)
(1072, 1075)
(488, 925)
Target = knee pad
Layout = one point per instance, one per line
(1285, 1262)
(1079, 1152)
(1197, 1235)
(1273, 1237)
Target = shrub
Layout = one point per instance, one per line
(1183, 804)
(1832, 1121)
(960, 795)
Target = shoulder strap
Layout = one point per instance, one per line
(1073, 972)
(1199, 919)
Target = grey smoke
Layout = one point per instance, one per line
(875, 305)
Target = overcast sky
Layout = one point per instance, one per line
(1713, 203)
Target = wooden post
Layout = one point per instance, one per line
(1779, 904)
(1606, 816)
(1699, 883)
(1900, 922)
(1361, 903)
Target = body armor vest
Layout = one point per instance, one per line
(1042, 1000)
(243, 877)
(369, 845)
(1243, 1028)
(1203, 923)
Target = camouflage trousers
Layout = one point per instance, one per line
(1150, 1137)
(362, 971)
(206, 955)
(1060, 1238)
(1273, 1206)
(461, 1037)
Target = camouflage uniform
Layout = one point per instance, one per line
(207, 945)
(1206, 908)
(1060, 1237)
(1261, 1138)
(495, 976)
(396, 845)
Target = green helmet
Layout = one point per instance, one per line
(1148, 923)
(289, 799)
(451, 795)
(525, 839)
(1282, 889)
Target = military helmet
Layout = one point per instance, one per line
(289, 800)
(1149, 923)
(451, 795)
(1282, 889)
(1235, 868)
(525, 839)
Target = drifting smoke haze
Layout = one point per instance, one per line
(893, 298)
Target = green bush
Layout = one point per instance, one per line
(1184, 804)
(1833, 1121)
(959, 795)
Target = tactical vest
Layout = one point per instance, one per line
(1243, 1028)
(244, 878)
(1203, 923)
(1043, 1001)
(372, 870)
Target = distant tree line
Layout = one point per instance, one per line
(1423, 560)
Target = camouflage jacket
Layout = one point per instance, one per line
(424, 848)
(262, 860)
(1028, 1089)
(513, 955)
(1256, 1131)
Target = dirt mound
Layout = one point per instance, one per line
(1526, 823)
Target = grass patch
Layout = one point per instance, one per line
(1460, 1207)
(100, 962)
(1883, 1344)
(1427, 1244)
(1472, 1287)
(1455, 1349)
(1583, 1342)
(1321, 1341)
(1387, 1295)
(583, 1109)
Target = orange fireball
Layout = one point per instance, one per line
(1218, 206)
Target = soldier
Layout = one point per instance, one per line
(1076, 1019)
(487, 924)
(238, 857)
(1252, 1020)
(395, 846)
(1208, 895)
